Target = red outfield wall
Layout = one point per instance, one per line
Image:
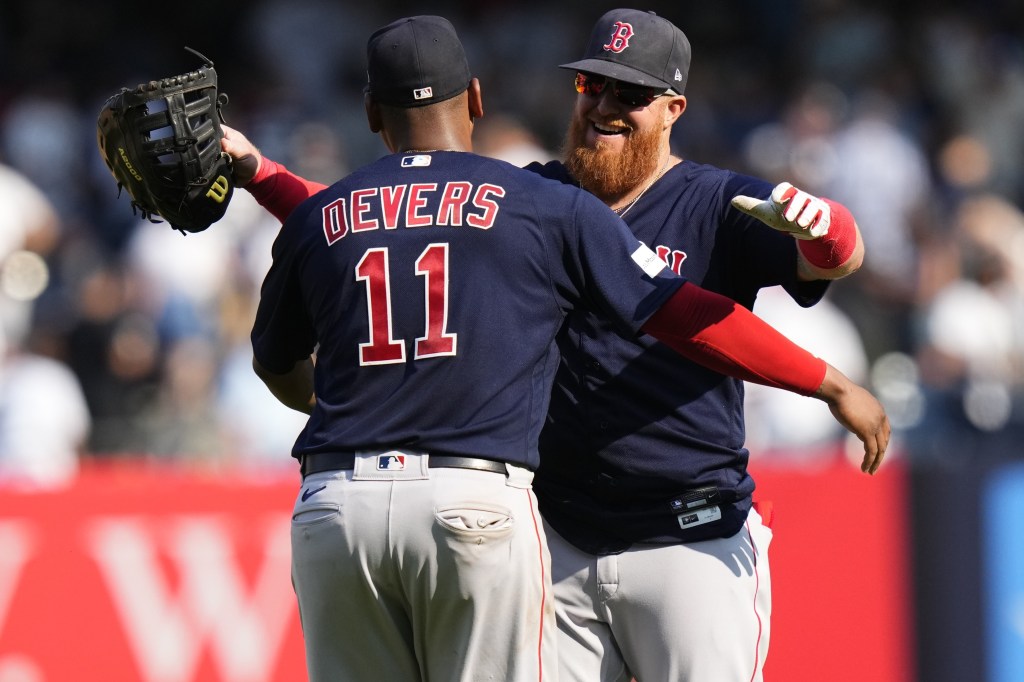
(841, 590)
(138, 575)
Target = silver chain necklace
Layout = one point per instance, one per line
(622, 210)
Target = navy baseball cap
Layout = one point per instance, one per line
(633, 46)
(416, 61)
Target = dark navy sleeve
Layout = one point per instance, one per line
(626, 290)
(768, 257)
(283, 333)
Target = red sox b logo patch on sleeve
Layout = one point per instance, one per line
(621, 33)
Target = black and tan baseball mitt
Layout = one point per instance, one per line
(161, 141)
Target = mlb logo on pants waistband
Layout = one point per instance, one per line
(391, 461)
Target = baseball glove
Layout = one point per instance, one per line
(161, 141)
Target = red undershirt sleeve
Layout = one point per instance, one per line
(722, 335)
(278, 190)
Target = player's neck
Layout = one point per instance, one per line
(438, 139)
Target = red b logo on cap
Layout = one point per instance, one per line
(621, 33)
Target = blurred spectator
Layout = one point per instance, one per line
(179, 278)
(113, 348)
(884, 176)
(858, 155)
(971, 350)
(42, 138)
(789, 428)
(319, 153)
(504, 137)
(28, 223)
(258, 431)
(183, 422)
(28, 217)
(44, 420)
(975, 71)
(883, 173)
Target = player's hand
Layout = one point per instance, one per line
(789, 210)
(244, 154)
(860, 413)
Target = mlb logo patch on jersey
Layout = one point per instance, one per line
(417, 161)
(392, 461)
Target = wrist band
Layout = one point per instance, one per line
(837, 245)
(278, 190)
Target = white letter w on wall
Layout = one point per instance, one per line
(179, 586)
(16, 539)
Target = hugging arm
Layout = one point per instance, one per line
(718, 333)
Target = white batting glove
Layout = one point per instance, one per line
(789, 210)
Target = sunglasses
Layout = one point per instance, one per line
(626, 93)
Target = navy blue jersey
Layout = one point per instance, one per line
(432, 287)
(631, 427)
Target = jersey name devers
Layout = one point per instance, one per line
(455, 204)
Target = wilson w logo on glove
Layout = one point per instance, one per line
(161, 142)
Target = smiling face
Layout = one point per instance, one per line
(613, 149)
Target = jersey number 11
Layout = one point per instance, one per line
(382, 348)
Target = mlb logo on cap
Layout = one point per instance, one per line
(416, 61)
(391, 461)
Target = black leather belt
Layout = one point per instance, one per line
(340, 461)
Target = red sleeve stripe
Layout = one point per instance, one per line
(722, 335)
(278, 190)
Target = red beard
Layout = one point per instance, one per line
(605, 173)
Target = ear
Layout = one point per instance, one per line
(476, 101)
(675, 108)
(372, 113)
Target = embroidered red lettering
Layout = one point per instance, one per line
(482, 200)
(413, 217)
(360, 207)
(391, 204)
(455, 196)
(453, 200)
(335, 221)
(621, 33)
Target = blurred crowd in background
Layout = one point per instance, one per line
(123, 338)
